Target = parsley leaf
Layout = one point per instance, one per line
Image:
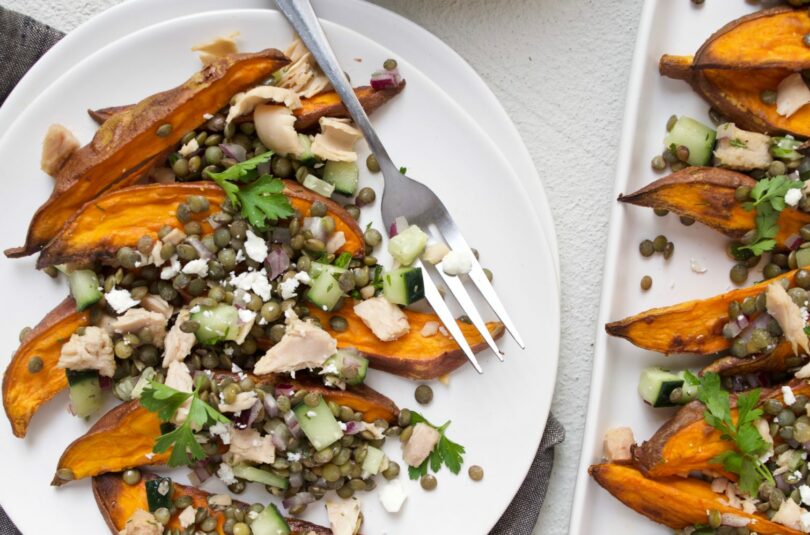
(750, 445)
(261, 199)
(165, 402)
(738, 143)
(768, 199)
(444, 452)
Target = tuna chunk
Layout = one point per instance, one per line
(345, 516)
(58, 145)
(249, 445)
(155, 303)
(303, 346)
(137, 319)
(179, 378)
(92, 350)
(788, 315)
(422, 441)
(385, 319)
(617, 444)
(142, 523)
(178, 344)
(243, 401)
(741, 150)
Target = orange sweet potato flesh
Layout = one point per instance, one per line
(24, 392)
(675, 502)
(413, 356)
(129, 138)
(689, 327)
(119, 218)
(326, 104)
(687, 443)
(706, 194)
(127, 433)
(117, 501)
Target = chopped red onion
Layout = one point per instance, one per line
(793, 242)
(245, 418)
(277, 262)
(313, 224)
(201, 249)
(385, 79)
(302, 498)
(232, 150)
(105, 382)
(732, 329)
(335, 242)
(292, 424)
(399, 225)
(270, 406)
(284, 389)
(742, 321)
(352, 428)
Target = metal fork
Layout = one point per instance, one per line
(405, 197)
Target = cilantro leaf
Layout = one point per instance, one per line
(445, 452)
(263, 201)
(768, 199)
(165, 402)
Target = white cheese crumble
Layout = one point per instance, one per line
(788, 396)
(288, 288)
(804, 492)
(255, 247)
(697, 267)
(225, 473)
(120, 300)
(255, 281)
(171, 270)
(392, 496)
(793, 196)
(246, 316)
(187, 517)
(303, 277)
(456, 263)
(222, 431)
(197, 267)
(293, 456)
(343, 426)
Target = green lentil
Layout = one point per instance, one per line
(646, 282)
(423, 394)
(35, 364)
(372, 164)
(318, 209)
(281, 166)
(476, 473)
(428, 482)
(669, 248)
(131, 477)
(768, 96)
(372, 237)
(312, 399)
(660, 212)
(365, 197)
(353, 210)
(164, 130)
(659, 243)
(739, 273)
(390, 64)
(687, 221)
(742, 194)
(65, 474)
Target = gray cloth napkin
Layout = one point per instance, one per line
(23, 41)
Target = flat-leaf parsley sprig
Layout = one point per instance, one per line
(261, 200)
(768, 199)
(444, 452)
(165, 402)
(750, 446)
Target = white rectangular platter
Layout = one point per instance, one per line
(673, 27)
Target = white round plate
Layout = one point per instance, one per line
(405, 38)
(499, 416)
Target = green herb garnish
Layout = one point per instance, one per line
(750, 445)
(445, 452)
(738, 143)
(768, 199)
(261, 200)
(343, 260)
(165, 402)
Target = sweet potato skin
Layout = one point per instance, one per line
(675, 502)
(24, 392)
(413, 356)
(126, 434)
(327, 104)
(689, 327)
(687, 443)
(119, 218)
(117, 501)
(129, 138)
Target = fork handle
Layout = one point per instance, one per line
(303, 19)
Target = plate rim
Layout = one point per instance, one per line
(520, 183)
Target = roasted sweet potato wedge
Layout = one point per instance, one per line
(326, 104)
(119, 218)
(706, 194)
(414, 356)
(689, 327)
(130, 138)
(127, 433)
(687, 443)
(118, 501)
(675, 502)
(24, 390)
(775, 361)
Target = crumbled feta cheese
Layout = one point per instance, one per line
(225, 473)
(788, 396)
(392, 496)
(222, 431)
(303, 277)
(240, 256)
(255, 247)
(343, 426)
(793, 196)
(189, 148)
(456, 263)
(329, 369)
(293, 456)
(429, 329)
(696, 266)
(288, 288)
(246, 316)
(149, 456)
(188, 516)
(197, 267)
(255, 281)
(171, 270)
(120, 300)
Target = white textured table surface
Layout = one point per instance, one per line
(560, 68)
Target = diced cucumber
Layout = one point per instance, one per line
(84, 288)
(85, 392)
(695, 136)
(342, 175)
(216, 323)
(316, 268)
(318, 424)
(784, 148)
(408, 245)
(159, 493)
(143, 381)
(655, 386)
(306, 156)
(350, 366)
(313, 183)
(270, 522)
(257, 475)
(325, 291)
(373, 461)
(404, 286)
